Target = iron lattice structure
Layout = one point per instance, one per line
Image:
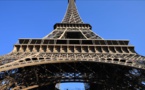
(72, 52)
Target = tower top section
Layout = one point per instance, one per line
(72, 15)
(71, 0)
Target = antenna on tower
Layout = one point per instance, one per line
(70, 0)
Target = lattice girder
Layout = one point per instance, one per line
(131, 60)
(60, 31)
(103, 75)
(72, 15)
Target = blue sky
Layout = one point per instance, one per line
(111, 19)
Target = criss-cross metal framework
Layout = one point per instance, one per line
(72, 52)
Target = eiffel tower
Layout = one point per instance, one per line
(72, 52)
